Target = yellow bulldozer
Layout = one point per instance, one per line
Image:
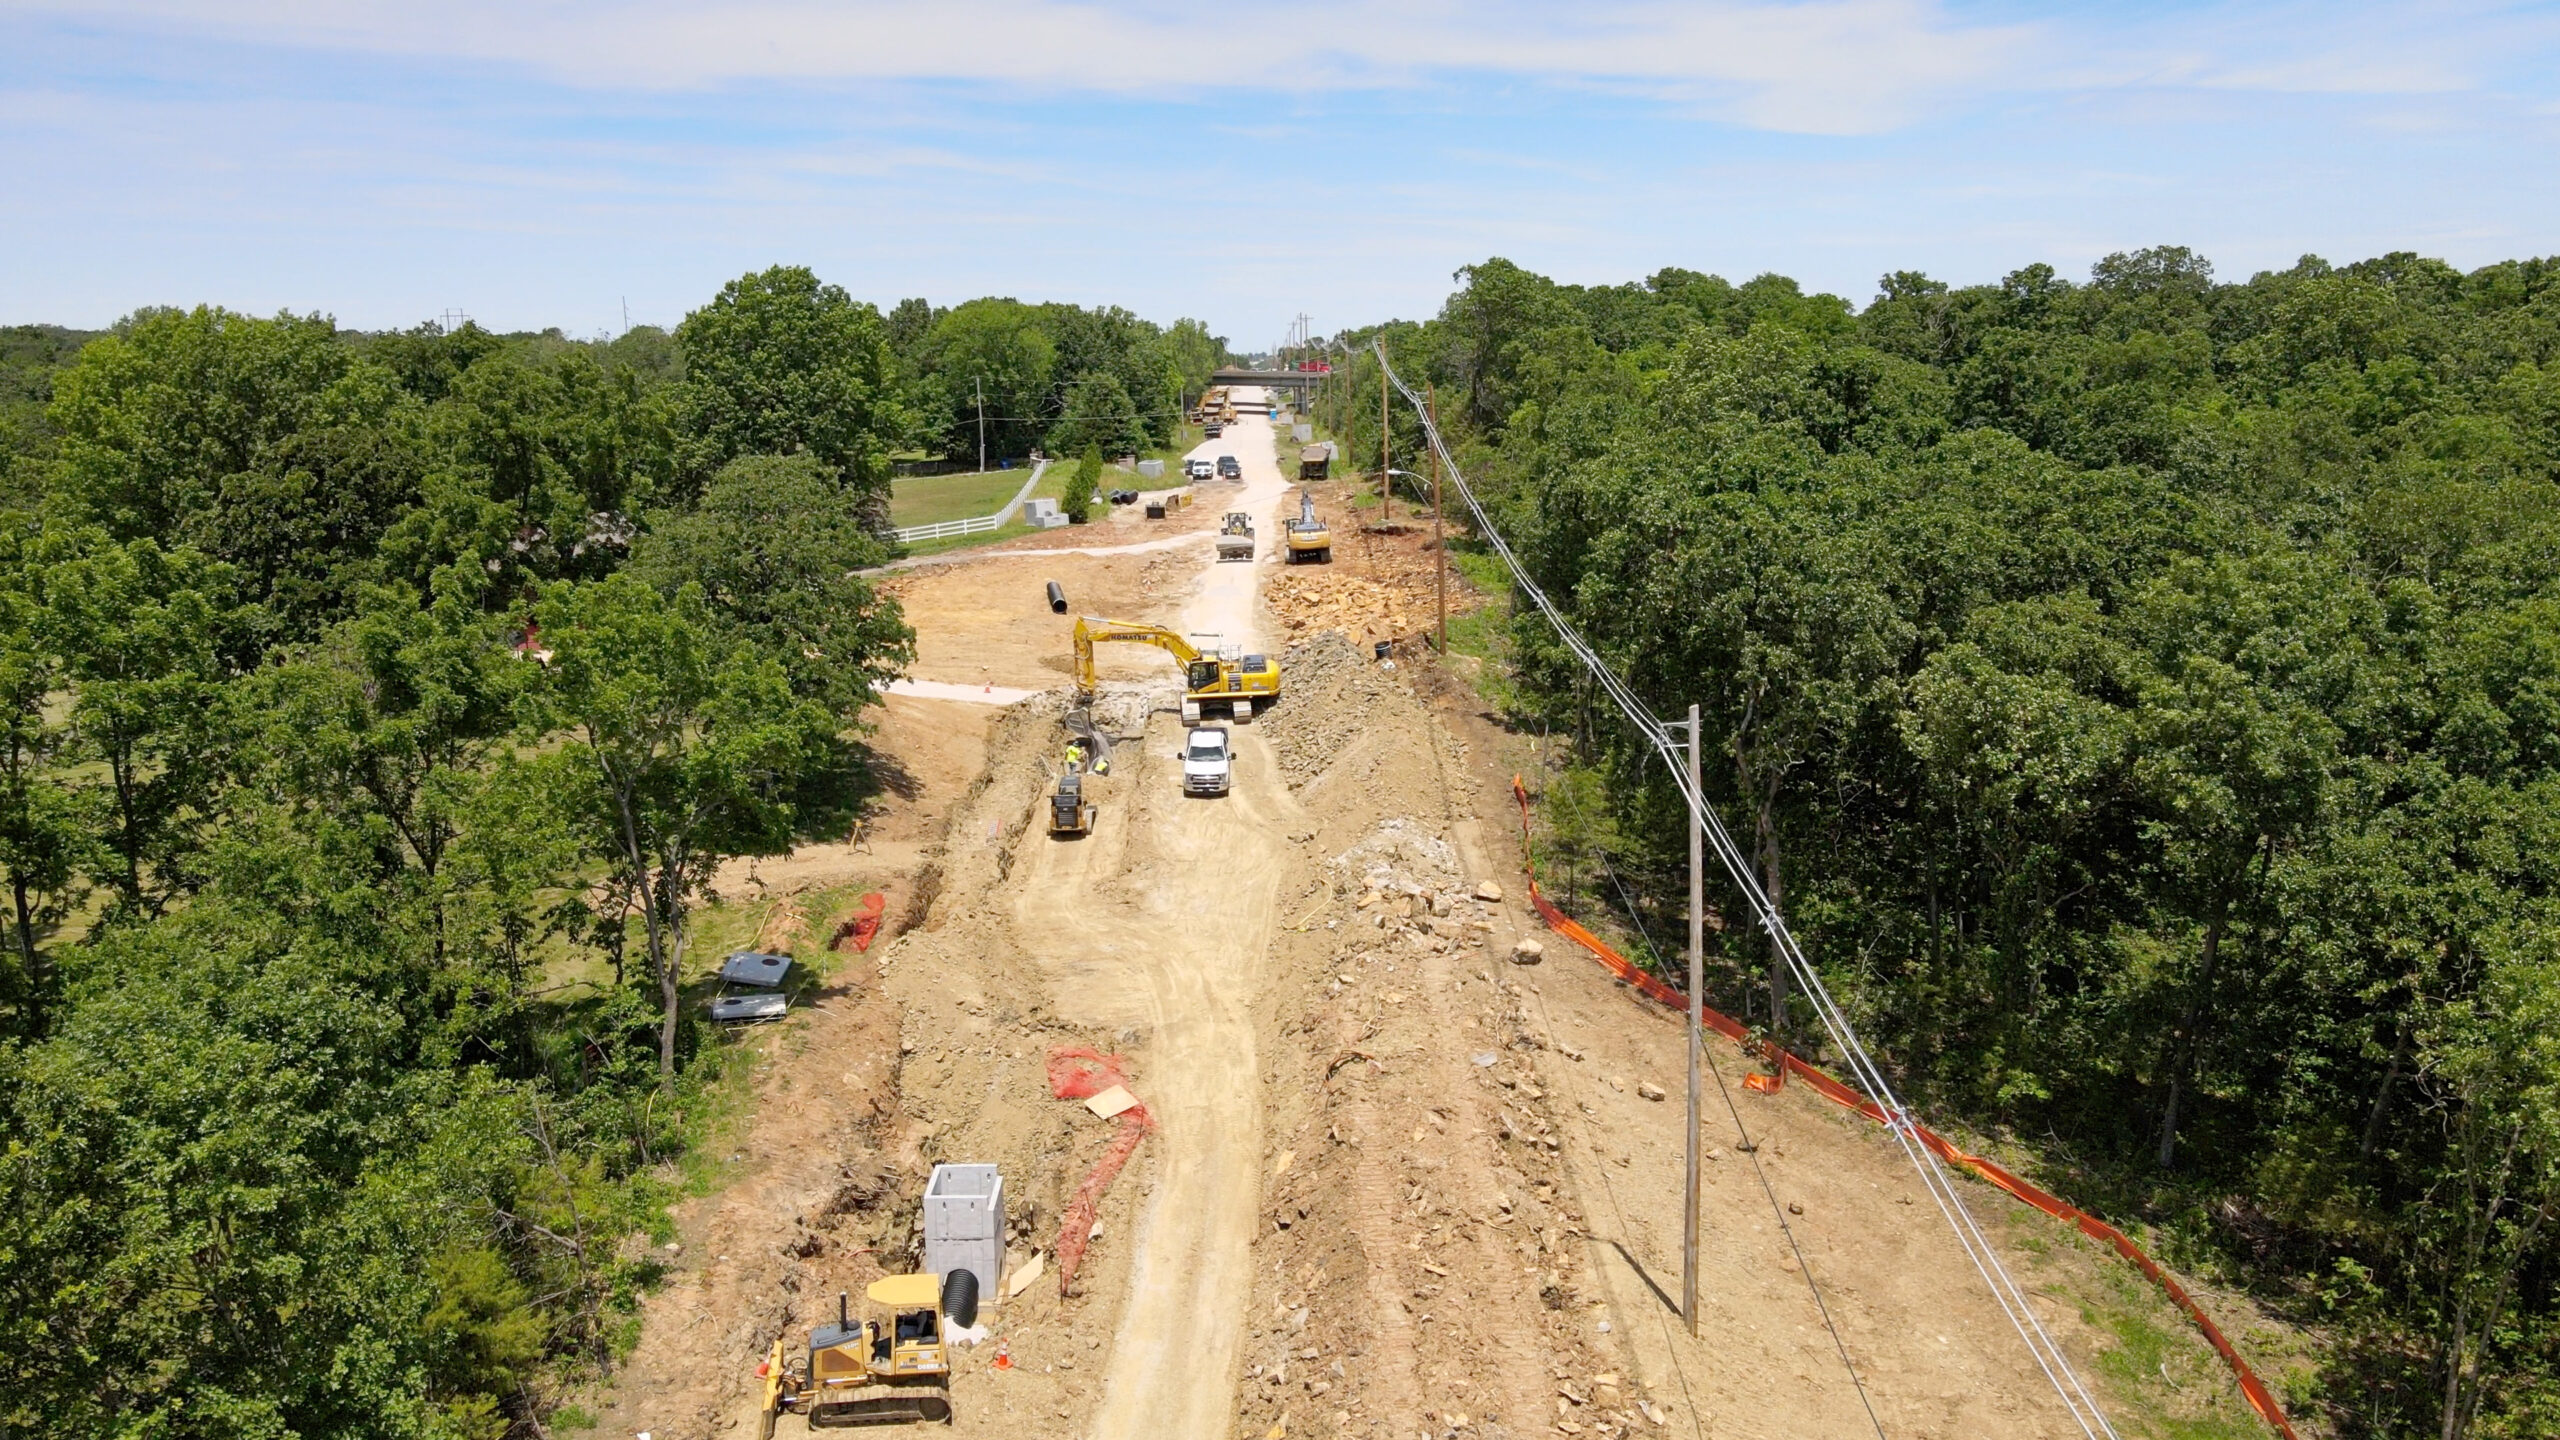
(891, 1369)
(1211, 684)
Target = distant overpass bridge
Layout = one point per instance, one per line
(1300, 381)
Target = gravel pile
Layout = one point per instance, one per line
(1330, 690)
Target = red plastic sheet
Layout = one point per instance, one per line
(2260, 1398)
(1077, 1072)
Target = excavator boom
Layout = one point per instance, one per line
(1091, 629)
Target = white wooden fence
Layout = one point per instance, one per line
(943, 529)
(975, 524)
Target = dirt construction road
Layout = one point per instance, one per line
(1407, 1176)
(1179, 956)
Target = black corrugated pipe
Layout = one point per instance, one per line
(1057, 597)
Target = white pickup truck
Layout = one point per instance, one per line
(1207, 765)
(1198, 470)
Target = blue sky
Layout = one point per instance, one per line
(545, 162)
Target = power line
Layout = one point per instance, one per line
(1934, 1177)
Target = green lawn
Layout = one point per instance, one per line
(928, 499)
(1185, 437)
(1052, 485)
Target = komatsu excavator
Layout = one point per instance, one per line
(1211, 684)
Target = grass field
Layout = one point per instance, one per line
(1052, 485)
(927, 499)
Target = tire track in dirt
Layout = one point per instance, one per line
(1174, 948)
(1376, 1195)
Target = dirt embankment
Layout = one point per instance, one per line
(1416, 1266)
(820, 1173)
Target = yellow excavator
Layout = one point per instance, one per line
(1211, 684)
(890, 1369)
(1310, 539)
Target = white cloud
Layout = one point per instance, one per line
(1807, 66)
(1827, 66)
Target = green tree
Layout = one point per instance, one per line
(782, 364)
(41, 839)
(1082, 485)
(778, 552)
(2491, 1064)
(266, 444)
(1099, 415)
(218, 1161)
(2257, 668)
(992, 359)
(682, 753)
(392, 720)
(141, 633)
(1196, 355)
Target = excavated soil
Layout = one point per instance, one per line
(1398, 1183)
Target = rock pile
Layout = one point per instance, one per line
(1304, 600)
(1406, 881)
(1329, 689)
(1400, 857)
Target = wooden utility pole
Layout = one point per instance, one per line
(1386, 462)
(1697, 1036)
(1439, 527)
(979, 385)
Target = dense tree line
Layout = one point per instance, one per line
(2144, 694)
(1049, 376)
(373, 711)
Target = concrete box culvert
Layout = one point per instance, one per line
(964, 1223)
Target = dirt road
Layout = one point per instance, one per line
(1160, 922)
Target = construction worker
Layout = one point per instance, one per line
(1075, 755)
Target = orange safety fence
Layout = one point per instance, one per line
(2255, 1390)
(1077, 1072)
(860, 928)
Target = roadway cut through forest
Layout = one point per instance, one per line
(1399, 1182)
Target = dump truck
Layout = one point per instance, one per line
(1211, 684)
(889, 1369)
(1310, 539)
(1235, 536)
